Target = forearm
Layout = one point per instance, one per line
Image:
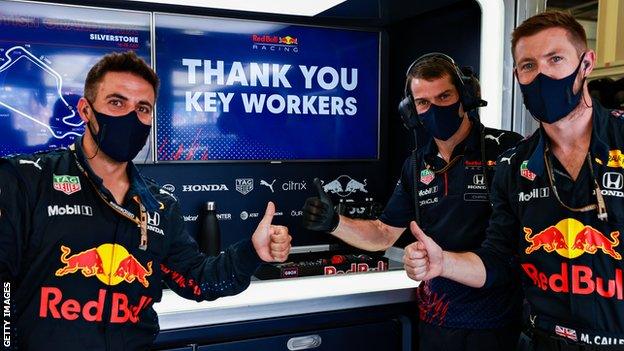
(464, 267)
(366, 234)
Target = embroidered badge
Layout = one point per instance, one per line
(66, 183)
(426, 176)
(525, 172)
(565, 332)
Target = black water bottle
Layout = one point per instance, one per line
(209, 233)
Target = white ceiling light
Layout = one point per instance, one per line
(282, 7)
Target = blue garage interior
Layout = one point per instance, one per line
(376, 312)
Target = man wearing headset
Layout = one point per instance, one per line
(558, 200)
(85, 240)
(448, 179)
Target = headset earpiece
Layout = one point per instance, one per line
(408, 113)
(467, 85)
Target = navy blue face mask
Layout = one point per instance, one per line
(441, 121)
(120, 137)
(548, 99)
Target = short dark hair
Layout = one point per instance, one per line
(547, 20)
(431, 68)
(118, 62)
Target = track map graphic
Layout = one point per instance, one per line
(44, 60)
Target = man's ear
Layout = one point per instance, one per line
(84, 110)
(589, 62)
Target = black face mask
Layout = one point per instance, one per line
(120, 137)
(442, 121)
(548, 99)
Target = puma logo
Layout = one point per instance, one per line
(508, 159)
(497, 139)
(270, 186)
(29, 162)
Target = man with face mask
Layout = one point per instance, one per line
(450, 176)
(85, 240)
(558, 200)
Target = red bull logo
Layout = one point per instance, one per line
(356, 268)
(288, 40)
(88, 262)
(54, 305)
(580, 280)
(99, 261)
(571, 238)
(269, 39)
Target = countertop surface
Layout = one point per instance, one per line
(292, 296)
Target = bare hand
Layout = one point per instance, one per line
(423, 259)
(272, 242)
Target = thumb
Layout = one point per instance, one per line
(268, 214)
(419, 234)
(322, 194)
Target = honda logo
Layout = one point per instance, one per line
(612, 180)
(153, 219)
(478, 179)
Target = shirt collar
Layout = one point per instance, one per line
(597, 146)
(137, 182)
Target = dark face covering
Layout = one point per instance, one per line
(120, 137)
(548, 99)
(441, 121)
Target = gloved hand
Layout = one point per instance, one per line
(319, 213)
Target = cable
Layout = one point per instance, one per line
(415, 184)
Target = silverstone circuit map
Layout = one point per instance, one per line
(46, 52)
(71, 124)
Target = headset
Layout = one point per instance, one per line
(465, 81)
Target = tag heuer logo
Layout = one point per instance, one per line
(244, 185)
(525, 172)
(426, 176)
(66, 183)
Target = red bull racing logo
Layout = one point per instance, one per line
(111, 264)
(99, 261)
(571, 238)
(275, 43)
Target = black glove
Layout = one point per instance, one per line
(319, 213)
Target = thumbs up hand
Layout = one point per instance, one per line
(318, 212)
(423, 259)
(272, 242)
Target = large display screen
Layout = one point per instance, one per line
(45, 54)
(246, 90)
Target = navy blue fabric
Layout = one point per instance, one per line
(61, 245)
(454, 211)
(571, 262)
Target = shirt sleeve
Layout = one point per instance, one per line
(14, 220)
(498, 251)
(399, 210)
(14, 228)
(194, 275)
